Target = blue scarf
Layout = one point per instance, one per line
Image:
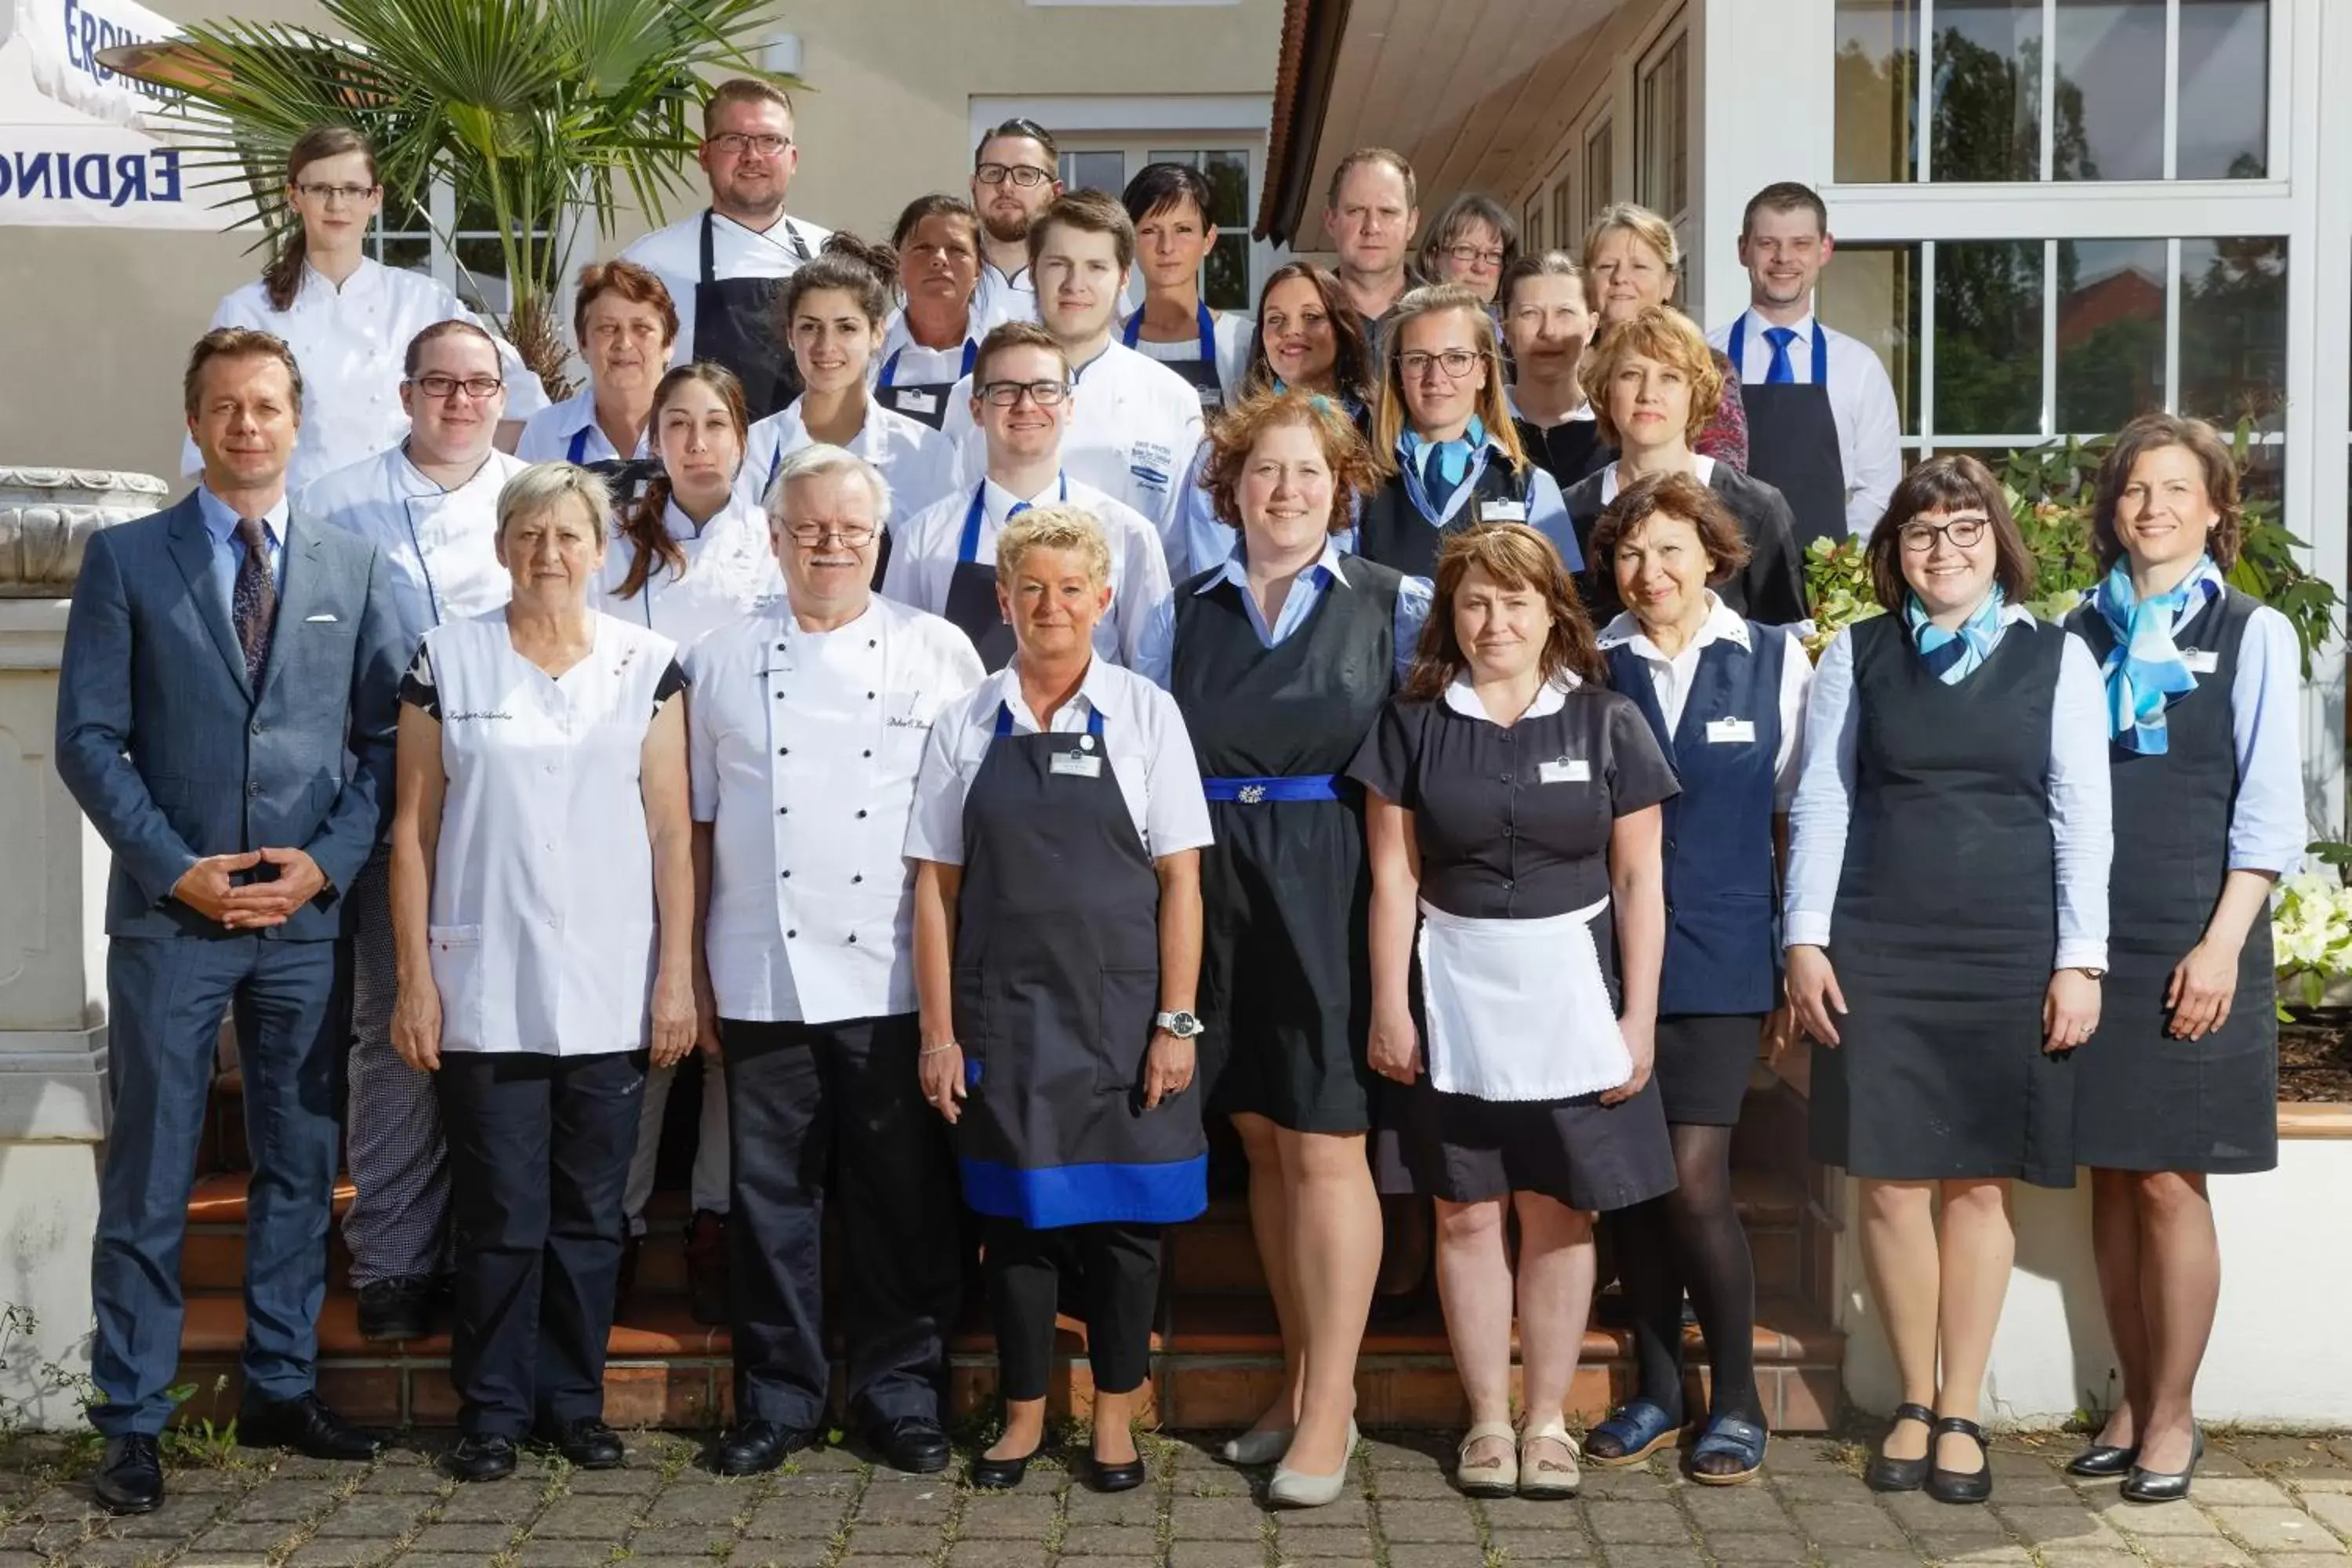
(2144, 670)
(1952, 656)
(1441, 466)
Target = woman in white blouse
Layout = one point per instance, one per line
(543, 892)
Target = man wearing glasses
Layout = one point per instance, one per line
(724, 265)
(1022, 397)
(429, 505)
(1014, 178)
(808, 722)
(1371, 217)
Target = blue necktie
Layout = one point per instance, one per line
(1780, 373)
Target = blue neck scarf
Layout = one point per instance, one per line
(1443, 466)
(1952, 656)
(2144, 670)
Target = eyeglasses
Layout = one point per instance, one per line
(477, 387)
(1005, 393)
(735, 143)
(1960, 532)
(856, 535)
(1023, 174)
(1455, 363)
(329, 196)
(1477, 255)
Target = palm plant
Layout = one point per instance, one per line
(529, 110)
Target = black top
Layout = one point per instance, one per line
(1769, 589)
(1514, 824)
(1299, 708)
(1567, 451)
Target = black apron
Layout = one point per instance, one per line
(1199, 374)
(1792, 440)
(1395, 527)
(735, 325)
(923, 400)
(972, 586)
(2148, 1101)
(1056, 982)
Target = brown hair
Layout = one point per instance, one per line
(236, 342)
(1362, 155)
(1516, 556)
(637, 285)
(1493, 403)
(456, 326)
(1947, 483)
(2153, 433)
(1007, 335)
(743, 90)
(1785, 197)
(1671, 495)
(1665, 334)
(865, 272)
(1088, 212)
(1351, 364)
(1541, 264)
(643, 529)
(282, 279)
(1018, 129)
(1469, 207)
(937, 205)
(1354, 473)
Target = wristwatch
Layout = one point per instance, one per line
(2089, 971)
(1184, 1025)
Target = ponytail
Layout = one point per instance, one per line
(282, 279)
(643, 528)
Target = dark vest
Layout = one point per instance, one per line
(1300, 707)
(1720, 952)
(1567, 451)
(1392, 532)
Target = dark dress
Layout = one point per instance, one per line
(1567, 451)
(1285, 990)
(2144, 1100)
(1497, 842)
(1771, 588)
(1946, 923)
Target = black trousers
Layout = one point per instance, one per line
(819, 1109)
(538, 1154)
(1117, 1268)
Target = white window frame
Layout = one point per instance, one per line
(1673, 32)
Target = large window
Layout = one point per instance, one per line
(409, 233)
(1661, 156)
(1599, 174)
(2052, 89)
(1225, 275)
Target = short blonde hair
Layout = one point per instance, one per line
(543, 485)
(1663, 334)
(1057, 527)
(1642, 223)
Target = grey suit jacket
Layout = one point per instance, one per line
(174, 755)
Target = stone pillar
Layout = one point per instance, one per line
(53, 868)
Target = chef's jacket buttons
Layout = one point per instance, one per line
(784, 751)
(254, 790)
(789, 934)
(853, 938)
(857, 876)
(1507, 775)
(1508, 885)
(861, 814)
(256, 729)
(869, 697)
(866, 753)
(788, 876)
(782, 810)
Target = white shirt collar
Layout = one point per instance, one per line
(1757, 326)
(362, 281)
(1702, 469)
(1581, 411)
(1234, 568)
(684, 528)
(1550, 697)
(1097, 690)
(999, 502)
(1721, 621)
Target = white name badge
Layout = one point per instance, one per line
(2201, 660)
(1078, 763)
(913, 401)
(1565, 770)
(1730, 731)
(1503, 511)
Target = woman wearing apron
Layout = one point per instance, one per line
(692, 555)
(1947, 930)
(1169, 204)
(1444, 432)
(1518, 922)
(1725, 698)
(2181, 1081)
(1281, 658)
(1057, 831)
(1548, 323)
(1654, 384)
(1631, 258)
(933, 338)
(625, 321)
(536, 972)
(1472, 243)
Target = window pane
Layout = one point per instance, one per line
(2110, 332)
(1094, 171)
(1563, 217)
(1531, 226)
(1228, 172)
(1988, 337)
(1599, 156)
(1224, 274)
(2233, 331)
(1877, 91)
(481, 275)
(1987, 91)
(1663, 186)
(1871, 292)
(414, 252)
(2109, 90)
(2225, 63)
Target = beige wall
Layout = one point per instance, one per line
(108, 317)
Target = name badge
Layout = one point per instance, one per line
(2201, 660)
(1565, 770)
(1080, 764)
(1503, 511)
(913, 401)
(1730, 731)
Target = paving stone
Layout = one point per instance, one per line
(439, 1560)
(887, 1562)
(2279, 1527)
(290, 1501)
(179, 1518)
(2143, 1520)
(1565, 1544)
(585, 1518)
(2247, 1491)
(1413, 1520)
(1430, 1555)
(2071, 1527)
(1086, 1506)
(1350, 1512)
(2265, 1451)
(475, 1536)
(2087, 1557)
(345, 1552)
(493, 1502)
(1761, 1548)
(2332, 1508)
(888, 1504)
(1186, 1553)
(1522, 1513)
(391, 1479)
(1409, 1450)
(1976, 1552)
(1734, 1508)
(1103, 1562)
(22, 1560)
(893, 1539)
(999, 1552)
(376, 1517)
(120, 1554)
(1634, 1523)
(1646, 1554)
(593, 1482)
(1344, 1545)
(241, 1537)
(779, 1554)
(1203, 1519)
(1416, 1483)
(1846, 1524)
(1111, 1540)
(2194, 1551)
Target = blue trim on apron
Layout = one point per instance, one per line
(1047, 1197)
(1253, 790)
(577, 453)
(890, 366)
(1005, 720)
(967, 545)
(1738, 353)
(1133, 331)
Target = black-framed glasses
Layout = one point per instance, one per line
(1477, 255)
(1026, 176)
(856, 535)
(1961, 532)
(1455, 363)
(1005, 393)
(330, 194)
(442, 386)
(735, 143)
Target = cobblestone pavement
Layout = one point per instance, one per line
(2276, 1501)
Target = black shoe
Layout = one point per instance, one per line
(130, 1479)
(1960, 1485)
(588, 1444)
(1886, 1474)
(914, 1444)
(2165, 1486)
(306, 1424)
(396, 1309)
(2103, 1461)
(480, 1456)
(758, 1447)
(1123, 1478)
(998, 1475)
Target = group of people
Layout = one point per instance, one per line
(1006, 736)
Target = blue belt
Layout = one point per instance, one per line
(1254, 792)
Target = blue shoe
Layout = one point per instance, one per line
(1636, 1431)
(1741, 1440)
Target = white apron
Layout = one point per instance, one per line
(1519, 1010)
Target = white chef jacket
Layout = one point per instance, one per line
(1133, 427)
(1862, 406)
(675, 256)
(803, 746)
(1150, 756)
(1231, 333)
(731, 571)
(547, 436)
(1000, 298)
(923, 556)
(918, 463)
(352, 345)
(542, 925)
(919, 366)
(1670, 680)
(439, 546)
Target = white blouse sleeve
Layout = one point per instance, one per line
(1824, 803)
(2081, 826)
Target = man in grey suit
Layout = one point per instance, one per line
(225, 712)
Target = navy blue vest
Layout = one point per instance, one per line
(1718, 831)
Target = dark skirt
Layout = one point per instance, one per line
(1466, 1150)
(1704, 1061)
(2145, 1101)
